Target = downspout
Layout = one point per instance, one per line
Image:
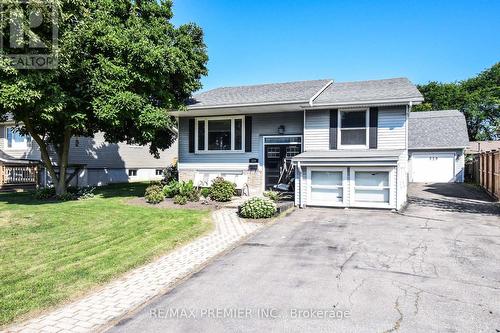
(301, 205)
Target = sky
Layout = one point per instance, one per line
(257, 41)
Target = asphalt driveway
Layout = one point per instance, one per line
(435, 267)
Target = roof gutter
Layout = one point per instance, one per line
(245, 104)
(311, 100)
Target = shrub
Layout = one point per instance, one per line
(273, 195)
(188, 190)
(222, 190)
(68, 196)
(170, 174)
(258, 208)
(85, 193)
(171, 189)
(44, 193)
(154, 194)
(205, 192)
(180, 199)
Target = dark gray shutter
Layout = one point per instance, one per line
(248, 134)
(373, 127)
(191, 135)
(333, 128)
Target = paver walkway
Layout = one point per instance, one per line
(95, 311)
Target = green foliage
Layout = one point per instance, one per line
(68, 196)
(171, 189)
(154, 194)
(180, 199)
(273, 195)
(188, 190)
(170, 174)
(478, 98)
(121, 66)
(258, 208)
(205, 192)
(44, 193)
(184, 189)
(222, 190)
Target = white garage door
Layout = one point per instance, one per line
(433, 167)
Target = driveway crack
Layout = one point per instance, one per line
(345, 263)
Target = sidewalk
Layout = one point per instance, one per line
(93, 312)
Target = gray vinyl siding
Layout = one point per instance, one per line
(96, 153)
(317, 130)
(391, 133)
(392, 128)
(262, 124)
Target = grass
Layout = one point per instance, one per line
(51, 252)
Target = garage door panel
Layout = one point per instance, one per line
(433, 167)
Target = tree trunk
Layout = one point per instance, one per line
(59, 181)
(63, 155)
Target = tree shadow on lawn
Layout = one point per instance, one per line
(119, 190)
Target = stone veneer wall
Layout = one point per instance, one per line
(255, 179)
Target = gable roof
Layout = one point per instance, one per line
(318, 92)
(373, 90)
(288, 92)
(437, 129)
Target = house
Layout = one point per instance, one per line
(476, 147)
(347, 142)
(93, 161)
(437, 141)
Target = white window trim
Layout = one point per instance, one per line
(390, 187)
(6, 141)
(206, 119)
(367, 129)
(344, 187)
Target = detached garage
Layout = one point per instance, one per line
(436, 144)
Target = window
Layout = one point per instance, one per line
(371, 186)
(219, 134)
(132, 172)
(15, 140)
(353, 127)
(327, 187)
(159, 172)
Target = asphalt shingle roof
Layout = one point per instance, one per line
(303, 91)
(359, 91)
(263, 93)
(437, 129)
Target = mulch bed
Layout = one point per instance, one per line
(169, 203)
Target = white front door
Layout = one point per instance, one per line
(433, 167)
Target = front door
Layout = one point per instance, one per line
(278, 161)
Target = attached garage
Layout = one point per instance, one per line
(332, 179)
(436, 144)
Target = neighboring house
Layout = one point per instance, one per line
(93, 160)
(437, 140)
(475, 147)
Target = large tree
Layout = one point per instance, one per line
(478, 98)
(121, 65)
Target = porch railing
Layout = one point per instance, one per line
(18, 174)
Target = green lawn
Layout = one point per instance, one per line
(53, 251)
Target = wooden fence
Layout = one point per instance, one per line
(489, 172)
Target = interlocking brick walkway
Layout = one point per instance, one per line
(95, 311)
